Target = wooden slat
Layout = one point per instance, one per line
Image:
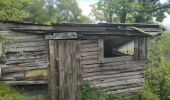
(101, 50)
(12, 76)
(25, 49)
(116, 75)
(24, 60)
(117, 59)
(117, 79)
(89, 49)
(111, 72)
(84, 54)
(131, 66)
(25, 44)
(114, 88)
(22, 69)
(25, 82)
(90, 57)
(124, 82)
(92, 45)
(88, 41)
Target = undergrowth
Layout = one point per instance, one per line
(9, 93)
(90, 93)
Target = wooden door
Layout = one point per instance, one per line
(64, 70)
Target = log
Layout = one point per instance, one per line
(22, 69)
(88, 41)
(25, 82)
(26, 60)
(89, 53)
(115, 75)
(25, 49)
(89, 49)
(25, 44)
(118, 83)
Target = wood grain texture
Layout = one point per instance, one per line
(64, 70)
(121, 75)
(26, 54)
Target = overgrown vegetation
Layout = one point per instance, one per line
(9, 93)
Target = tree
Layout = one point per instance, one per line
(125, 11)
(13, 10)
(55, 11)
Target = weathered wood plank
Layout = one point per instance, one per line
(12, 76)
(114, 88)
(25, 82)
(25, 49)
(25, 44)
(113, 76)
(64, 35)
(25, 60)
(92, 45)
(36, 73)
(22, 69)
(88, 41)
(65, 60)
(123, 82)
(130, 65)
(89, 53)
(88, 62)
(101, 50)
(91, 57)
(25, 54)
(111, 72)
(89, 49)
(117, 59)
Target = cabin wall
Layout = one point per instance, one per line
(26, 59)
(121, 75)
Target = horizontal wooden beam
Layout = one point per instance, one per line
(64, 35)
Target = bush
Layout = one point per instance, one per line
(90, 93)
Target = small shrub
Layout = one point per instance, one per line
(90, 93)
(145, 94)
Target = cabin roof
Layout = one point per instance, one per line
(85, 29)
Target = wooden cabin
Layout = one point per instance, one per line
(110, 56)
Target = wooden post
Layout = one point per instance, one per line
(140, 48)
(101, 50)
(64, 70)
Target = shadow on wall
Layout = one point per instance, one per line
(34, 92)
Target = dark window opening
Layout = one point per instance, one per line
(116, 48)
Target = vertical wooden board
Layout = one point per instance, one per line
(136, 51)
(141, 46)
(101, 50)
(53, 70)
(67, 63)
(147, 39)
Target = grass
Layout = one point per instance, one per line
(9, 93)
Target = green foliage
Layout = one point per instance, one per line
(50, 11)
(145, 94)
(158, 68)
(130, 11)
(90, 93)
(13, 10)
(3, 38)
(8, 93)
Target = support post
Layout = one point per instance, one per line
(141, 48)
